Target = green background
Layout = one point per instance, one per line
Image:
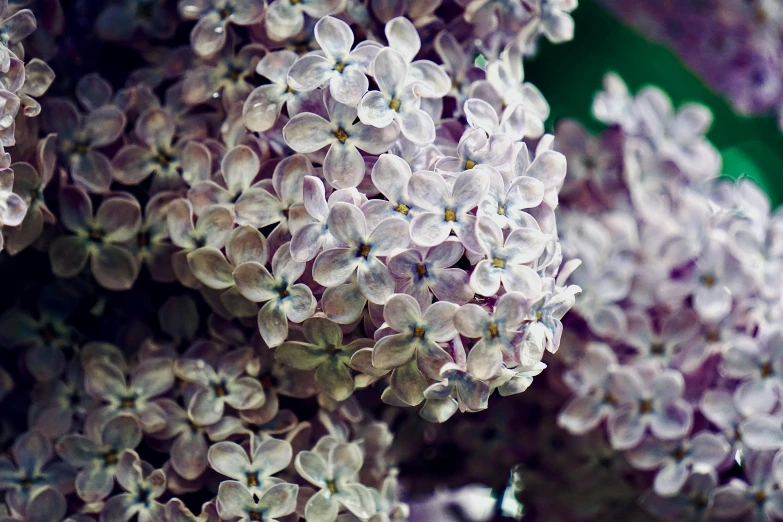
(570, 74)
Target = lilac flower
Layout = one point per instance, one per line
(261, 207)
(397, 100)
(234, 500)
(481, 115)
(660, 349)
(432, 81)
(309, 238)
(500, 335)
(390, 175)
(121, 20)
(590, 380)
(325, 353)
(507, 261)
(285, 300)
(446, 209)
(335, 473)
(414, 354)
(505, 87)
(545, 314)
(106, 383)
(97, 459)
(45, 505)
(142, 488)
(552, 19)
(152, 241)
(759, 496)
(239, 167)
(676, 460)
(285, 18)
(344, 69)
(654, 403)
(759, 364)
(360, 253)
(343, 165)
(213, 228)
(31, 471)
(694, 501)
(506, 202)
(425, 272)
(270, 456)
(221, 387)
(97, 237)
(170, 164)
(78, 138)
(188, 454)
(457, 390)
(214, 16)
(263, 106)
(456, 63)
(12, 207)
(477, 150)
(226, 75)
(29, 183)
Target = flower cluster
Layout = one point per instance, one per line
(299, 217)
(734, 46)
(678, 356)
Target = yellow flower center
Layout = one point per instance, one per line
(469, 164)
(418, 332)
(402, 208)
(498, 263)
(341, 135)
(395, 104)
(493, 330)
(450, 215)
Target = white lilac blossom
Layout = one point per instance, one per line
(678, 362)
(327, 239)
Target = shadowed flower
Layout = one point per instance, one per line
(212, 229)
(221, 387)
(285, 300)
(142, 489)
(239, 167)
(171, 164)
(107, 384)
(97, 459)
(457, 390)
(270, 456)
(234, 500)
(262, 107)
(214, 16)
(262, 206)
(325, 353)
(758, 496)
(676, 460)
(97, 237)
(12, 207)
(31, 471)
(78, 137)
(30, 184)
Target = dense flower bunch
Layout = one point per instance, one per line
(675, 348)
(300, 203)
(735, 46)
